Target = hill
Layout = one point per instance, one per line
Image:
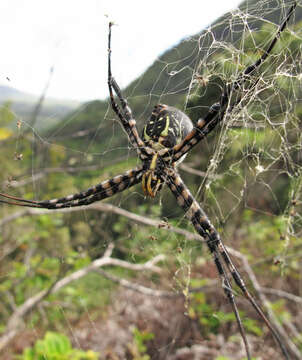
(24, 104)
(169, 77)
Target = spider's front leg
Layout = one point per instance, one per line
(220, 254)
(124, 114)
(95, 193)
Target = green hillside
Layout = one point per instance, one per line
(23, 105)
(168, 77)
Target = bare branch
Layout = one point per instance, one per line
(104, 207)
(137, 287)
(283, 294)
(15, 321)
(267, 306)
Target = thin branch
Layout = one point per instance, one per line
(104, 207)
(137, 287)
(15, 321)
(283, 294)
(293, 348)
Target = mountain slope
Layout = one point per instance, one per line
(23, 105)
(168, 79)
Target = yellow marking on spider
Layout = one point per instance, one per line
(146, 136)
(165, 132)
(148, 177)
(153, 162)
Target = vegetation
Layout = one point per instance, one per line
(56, 347)
(23, 106)
(251, 191)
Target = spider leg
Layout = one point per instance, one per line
(202, 132)
(217, 111)
(125, 115)
(95, 193)
(227, 288)
(204, 227)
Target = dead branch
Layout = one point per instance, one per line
(272, 317)
(15, 322)
(104, 207)
(282, 294)
(137, 287)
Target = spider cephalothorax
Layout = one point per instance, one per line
(166, 127)
(167, 137)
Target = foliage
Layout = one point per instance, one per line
(56, 346)
(211, 320)
(138, 348)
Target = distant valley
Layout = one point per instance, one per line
(23, 105)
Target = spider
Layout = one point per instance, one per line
(166, 138)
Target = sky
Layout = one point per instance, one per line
(71, 36)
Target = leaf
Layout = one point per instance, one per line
(5, 133)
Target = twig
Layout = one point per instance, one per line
(293, 348)
(15, 321)
(104, 207)
(137, 287)
(282, 294)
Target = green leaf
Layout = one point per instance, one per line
(56, 346)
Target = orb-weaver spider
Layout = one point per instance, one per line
(167, 137)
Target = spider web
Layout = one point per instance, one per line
(246, 175)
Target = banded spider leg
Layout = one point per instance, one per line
(127, 120)
(95, 193)
(217, 111)
(220, 254)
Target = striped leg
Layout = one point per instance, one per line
(98, 192)
(227, 288)
(217, 111)
(125, 115)
(204, 227)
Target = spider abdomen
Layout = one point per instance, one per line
(166, 127)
